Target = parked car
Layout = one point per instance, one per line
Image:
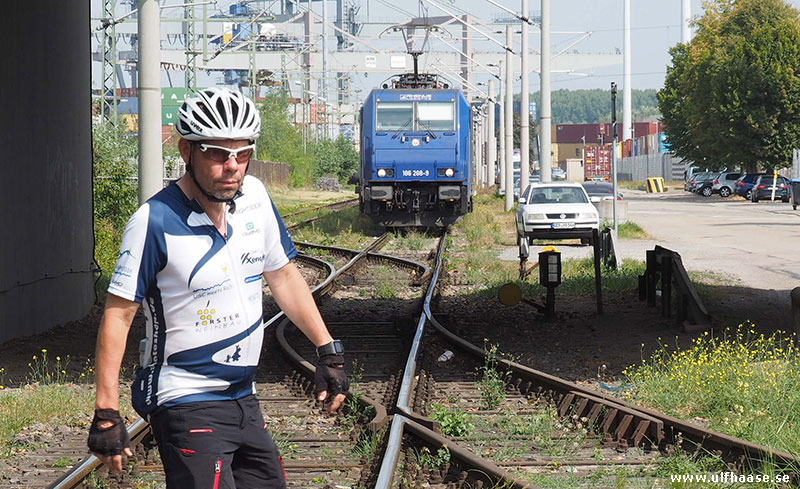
(763, 188)
(555, 210)
(744, 184)
(724, 183)
(598, 191)
(701, 181)
(691, 183)
(703, 187)
(531, 179)
(558, 173)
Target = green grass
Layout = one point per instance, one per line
(742, 383)
(347, 228)
(48, 404)
(454, 421)
(627, 230)
(386, 285)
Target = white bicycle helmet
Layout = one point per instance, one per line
(218, 113)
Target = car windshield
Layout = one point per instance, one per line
(598, 188)
(558, 195)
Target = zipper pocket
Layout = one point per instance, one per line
(217, 470)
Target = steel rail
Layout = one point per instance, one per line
(422, 270)
(395, 441)
(333, 206)
(138, 428)
(380, 418)
(406, 419)
(630, 425)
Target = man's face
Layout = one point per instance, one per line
(218, 171)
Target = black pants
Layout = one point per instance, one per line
(216, 445)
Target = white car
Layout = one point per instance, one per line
(555, 211)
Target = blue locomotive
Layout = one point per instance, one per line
(416, 153)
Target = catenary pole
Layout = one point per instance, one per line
(491, 147)
(524, 130)
(614, 155)
(323, 89)
(627, 128)
(509, 113)
(544, 114)
(501, 157)
(686, 13)
(150, 164)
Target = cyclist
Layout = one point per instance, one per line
(194, 255)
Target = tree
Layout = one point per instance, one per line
(594, 106)
(280, 141)
(334, 158)
(115, 169)
(732, 95)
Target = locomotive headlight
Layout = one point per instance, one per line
(381, 172)
(449, 172)
(415, 142)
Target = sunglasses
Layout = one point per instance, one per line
(221, 154)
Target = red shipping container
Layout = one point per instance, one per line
(597, 163)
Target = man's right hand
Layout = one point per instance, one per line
(108, 438)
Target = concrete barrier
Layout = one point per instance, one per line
(655, 185)
(606, 211)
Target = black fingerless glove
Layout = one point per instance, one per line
(330, 376)
(111, 440)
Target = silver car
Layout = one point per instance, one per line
(724, 183)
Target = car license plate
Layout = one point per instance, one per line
(563, 225)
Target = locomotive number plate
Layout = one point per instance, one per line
(416, 173)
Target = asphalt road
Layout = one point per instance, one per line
(752, 244)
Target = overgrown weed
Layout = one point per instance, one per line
(739, 382)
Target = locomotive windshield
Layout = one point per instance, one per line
(436, 116)
(430, 116)
(394, 116)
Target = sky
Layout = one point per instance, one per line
(655, 28)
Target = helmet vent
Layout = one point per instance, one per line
(222, 112)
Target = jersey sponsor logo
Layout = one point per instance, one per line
(215, 289)
(123, 271)
(208, 318)
(125, 253)
(254, 205)
(248, 259)
(251, 229)
(235, 357)
(148, 398)
(252, 278)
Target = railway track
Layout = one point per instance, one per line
(414, 421)
(335, 206)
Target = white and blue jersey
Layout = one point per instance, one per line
(201, 294)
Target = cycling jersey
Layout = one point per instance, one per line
(201, 293)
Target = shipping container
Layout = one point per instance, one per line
(597, 163)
